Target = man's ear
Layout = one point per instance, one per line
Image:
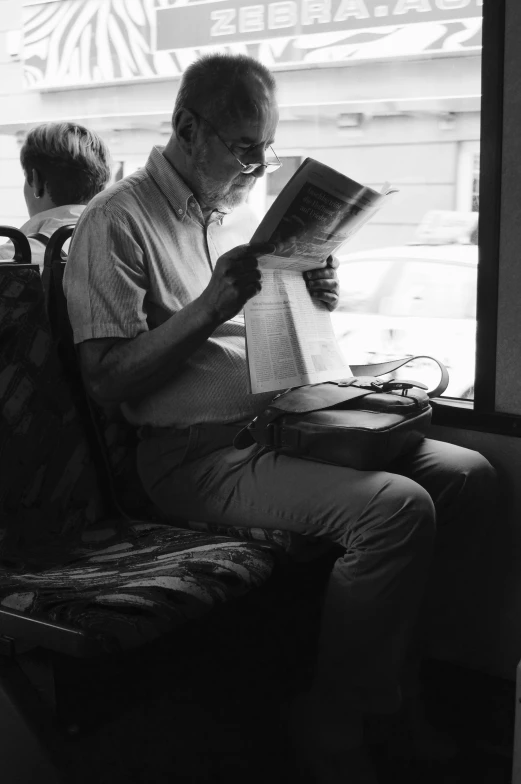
(185, 129)
(37, 183)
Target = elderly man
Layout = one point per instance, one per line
(159, 271)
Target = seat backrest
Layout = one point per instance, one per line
(49, 486)
(22, 249)
(55, 301)
(116, 438)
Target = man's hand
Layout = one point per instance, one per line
(323, 284)
(236, 279)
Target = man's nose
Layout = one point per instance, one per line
(260, 171)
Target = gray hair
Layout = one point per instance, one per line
(217, 84)
(73, 161)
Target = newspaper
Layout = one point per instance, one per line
(289, 335)
(316, 212)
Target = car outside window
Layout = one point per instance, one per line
(431, 290)
(360, 282)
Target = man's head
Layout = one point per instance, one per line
(225, 114)
(63, 163)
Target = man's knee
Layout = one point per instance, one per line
(469, 493)
(464, 472)
(414, 515)
(401, 515)
(479, 475)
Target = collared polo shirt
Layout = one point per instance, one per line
(140, 253)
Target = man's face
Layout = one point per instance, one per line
(218, 180)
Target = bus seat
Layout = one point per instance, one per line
(22, 249)
(76, 578)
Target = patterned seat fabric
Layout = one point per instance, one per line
(59, 558)
(297, 547)
(48, 486)
(129, 586)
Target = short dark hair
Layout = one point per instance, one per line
(73, 161)
(217, 84)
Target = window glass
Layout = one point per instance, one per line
(359, 283)
(382, 90)
(430, 290)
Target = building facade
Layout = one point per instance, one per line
(382, 90)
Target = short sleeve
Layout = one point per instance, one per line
(105, 280)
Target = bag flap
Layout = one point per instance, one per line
(302, 400)
(314, 397)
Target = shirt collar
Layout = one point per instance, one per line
(177, 192)
(67, 212)
(173, 187)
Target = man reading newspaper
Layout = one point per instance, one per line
(158, 274)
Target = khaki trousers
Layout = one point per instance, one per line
(386, 522)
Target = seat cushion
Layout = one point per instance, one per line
(129, 585)
(297, 547)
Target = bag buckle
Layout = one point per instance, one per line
(267, 433)
(392, 385)
(270, 435)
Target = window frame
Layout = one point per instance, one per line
(482, 415)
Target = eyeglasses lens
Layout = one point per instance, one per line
(271, 163)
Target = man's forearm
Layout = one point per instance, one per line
(134, 368)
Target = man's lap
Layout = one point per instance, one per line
(257, 487)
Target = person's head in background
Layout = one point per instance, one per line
(64, 163)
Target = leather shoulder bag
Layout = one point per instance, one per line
(361, 421)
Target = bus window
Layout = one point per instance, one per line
(383, 92)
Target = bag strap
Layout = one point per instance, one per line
(381, 368)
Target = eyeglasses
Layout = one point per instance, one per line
(271, 164)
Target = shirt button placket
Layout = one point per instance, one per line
(212, 250)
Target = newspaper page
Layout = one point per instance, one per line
(317, 211)
(289, 336)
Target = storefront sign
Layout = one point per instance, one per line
(80, 42)
(229, 21)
